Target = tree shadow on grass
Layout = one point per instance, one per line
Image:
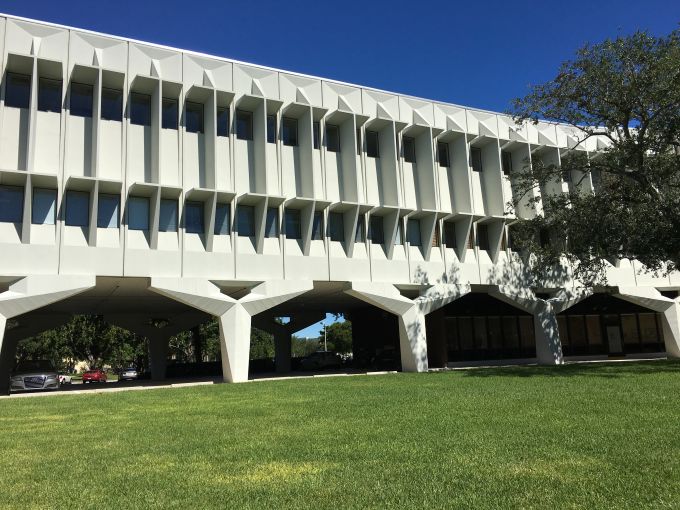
(608, 370)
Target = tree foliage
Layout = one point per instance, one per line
(626, 93)
(89, 338)
(338, 337)
(85, 338)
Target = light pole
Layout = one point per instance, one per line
(325, 348)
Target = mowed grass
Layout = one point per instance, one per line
(586, 436)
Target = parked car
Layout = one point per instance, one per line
(321, 359)
(34, 375)
(128, 374)
(96, 375)
(65, 379)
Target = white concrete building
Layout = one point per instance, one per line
(158, 187)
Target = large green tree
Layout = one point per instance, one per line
(338, 337)
(626, 92)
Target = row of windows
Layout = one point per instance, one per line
(78, 203)
(592, 334)
(490, 337)
(18, 92)
(81, 101)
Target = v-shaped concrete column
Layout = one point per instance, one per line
(234, 315)
(546, 332)
(651, 298)
(411, 314)
(26, 295)
(283, 335)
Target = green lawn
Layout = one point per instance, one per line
(586, 436)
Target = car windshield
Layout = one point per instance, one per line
(130, 369)
(35, 366)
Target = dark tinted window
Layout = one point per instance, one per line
(372, 148)
(244, 125)
(316, 133)
(11, 204)
(450, 234)
(169, 113)
(271, 128)
(336, 227)
(271, 228)
(293, 225)
(332, 138)
(476, 159)
(81, 100)
(194, 117)
(44, 210)
(49, 95)
(413, 232)
(483, 237)
(246, 220)
(360, 232)
(358, 142)
(112, 104)
(443, 154)
(140, 109)
(289, 132)
(107, 211)
(223, 122)
(376, 230)
(317, 226)
(506, 160)
(193, 218)
(222, 219)
(167, 221)
(399, 237)
(18, 90)
(138, 213)
(409, 149)
(77, 208)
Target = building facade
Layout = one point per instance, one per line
(159, 187)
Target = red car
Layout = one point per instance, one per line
(96, 375)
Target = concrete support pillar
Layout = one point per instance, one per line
(410, 313)
(282, 350)
(234, 315)
(413, 340)
(7, 353)
(548, 344)
(158, 356)
(652, 299)
(283, 335)
(26, 295)
(671, 329)
(235, 343)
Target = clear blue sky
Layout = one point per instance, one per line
(479, 54)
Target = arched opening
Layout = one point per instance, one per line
(479, 327)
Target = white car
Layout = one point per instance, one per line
(34, 375)
(65, 379)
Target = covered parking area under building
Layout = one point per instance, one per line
(412, 326)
